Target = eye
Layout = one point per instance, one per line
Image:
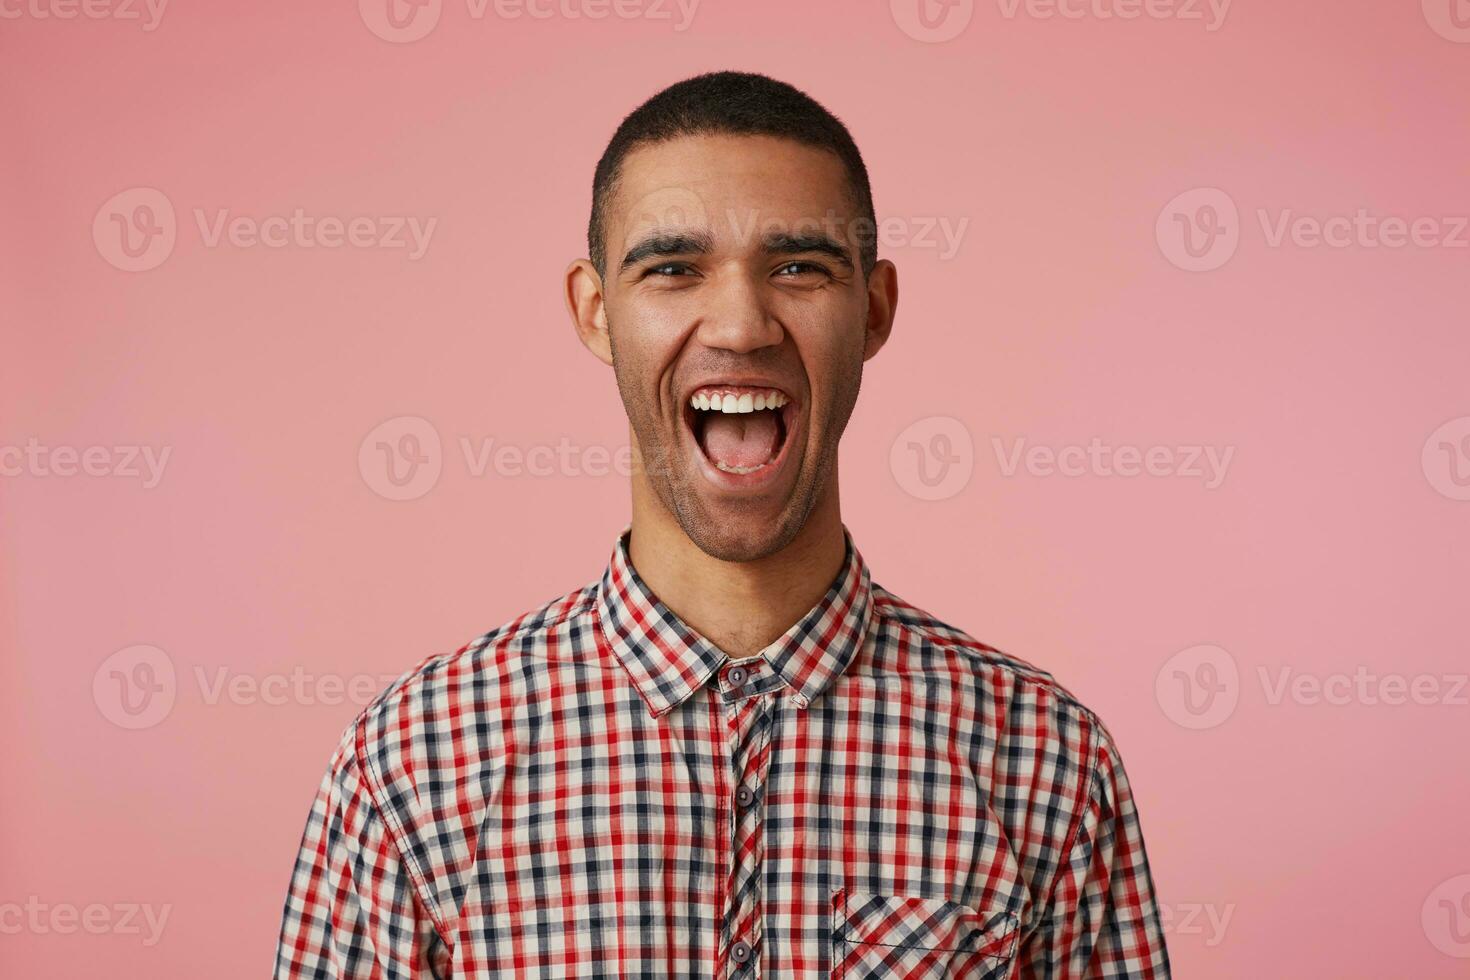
(792, 269)
(668, 269)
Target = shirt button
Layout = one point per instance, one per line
(743, 796)
(736, 676)
(740, 952)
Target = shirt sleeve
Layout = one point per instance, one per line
(1102, 920)
(351, 910)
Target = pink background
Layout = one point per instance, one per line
(1332, 835)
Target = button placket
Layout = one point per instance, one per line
(749, 724)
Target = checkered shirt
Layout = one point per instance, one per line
(595, 790)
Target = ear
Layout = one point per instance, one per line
(882, 304)
(585, 304)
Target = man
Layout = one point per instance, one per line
(733, 754)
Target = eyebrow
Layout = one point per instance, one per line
(667, 243)
(698, 243)
(780, 243)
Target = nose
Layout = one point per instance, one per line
(737, 319)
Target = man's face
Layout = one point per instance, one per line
(738, 321)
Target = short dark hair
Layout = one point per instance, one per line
(732, 103)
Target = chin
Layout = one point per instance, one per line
(741, 531)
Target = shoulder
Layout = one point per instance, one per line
(436, 692)
(1051, 760)
(1025, 701)
(426, 755)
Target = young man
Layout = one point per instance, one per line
(733, 754)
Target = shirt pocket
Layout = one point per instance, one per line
(906, 937)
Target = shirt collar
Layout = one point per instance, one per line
(668, 661)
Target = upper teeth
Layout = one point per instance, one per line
(731, 403)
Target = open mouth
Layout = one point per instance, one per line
(741, 430)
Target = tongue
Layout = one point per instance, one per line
(740, 440)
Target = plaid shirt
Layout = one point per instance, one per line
(595, 790)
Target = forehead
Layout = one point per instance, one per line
(716, 181)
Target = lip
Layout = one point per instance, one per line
(741, 483)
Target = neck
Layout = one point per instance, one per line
(740, 607)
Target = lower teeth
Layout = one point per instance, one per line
(737, 469)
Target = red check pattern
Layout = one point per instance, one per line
(595, 790)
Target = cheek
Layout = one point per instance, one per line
(648, 331)
(832, 357)
(644, 346)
